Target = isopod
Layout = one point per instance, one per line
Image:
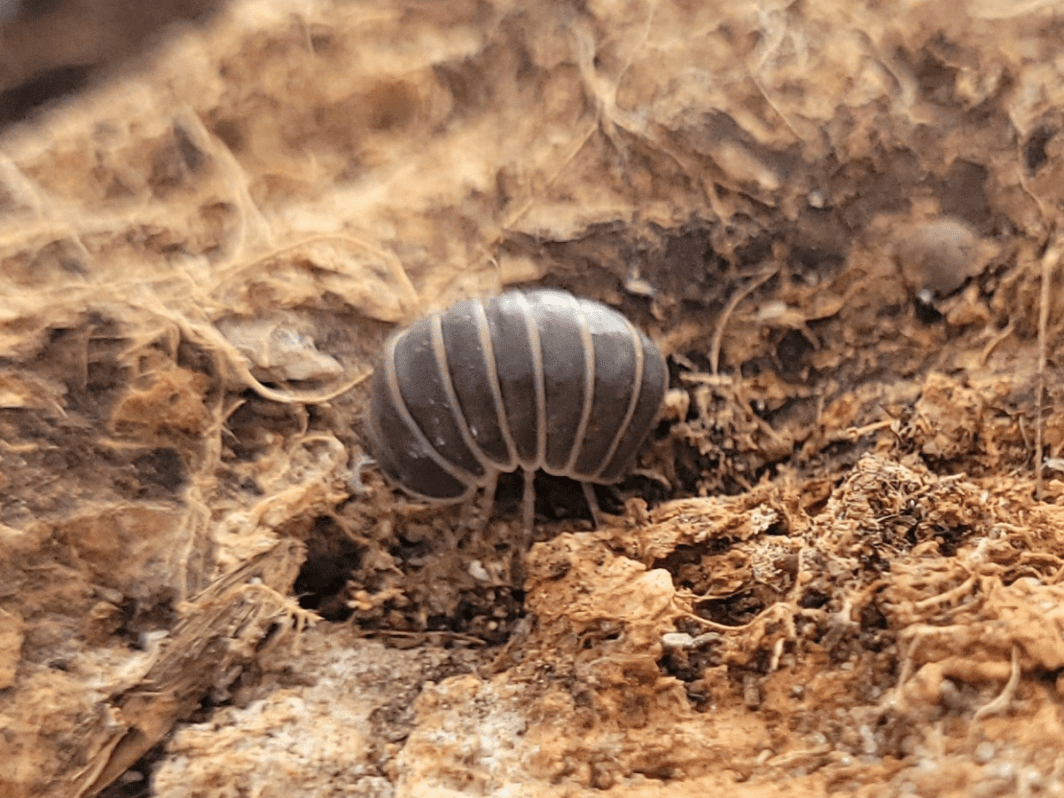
(533, 379)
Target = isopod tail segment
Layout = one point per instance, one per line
(528, 380)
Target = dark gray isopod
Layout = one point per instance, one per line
(534, 379)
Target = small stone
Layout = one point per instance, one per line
(938, 256)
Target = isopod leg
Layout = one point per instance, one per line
(487, 498)
(592, 503)
(478, 511)
(524, 541)
(528, 504)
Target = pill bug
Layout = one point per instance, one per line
(534, 379)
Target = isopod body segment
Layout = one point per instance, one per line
(535, 379)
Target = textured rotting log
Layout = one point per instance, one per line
(220, 631)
